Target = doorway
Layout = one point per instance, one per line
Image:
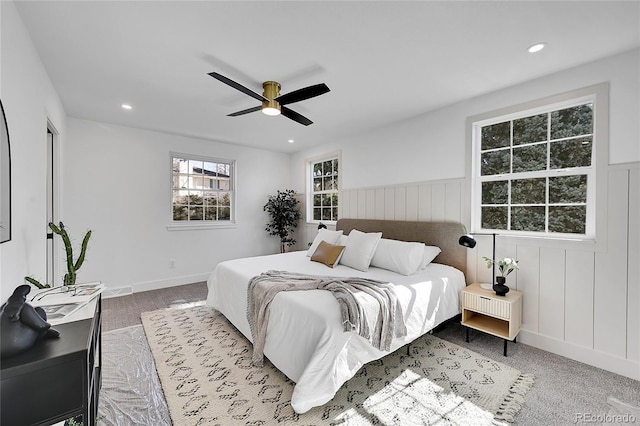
(52, 141)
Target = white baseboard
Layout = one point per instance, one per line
(116, 292)
(153, 285)
(171, 282)
(622, 366)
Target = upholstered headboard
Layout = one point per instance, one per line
(442, 234)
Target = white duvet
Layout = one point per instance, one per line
(305, 339)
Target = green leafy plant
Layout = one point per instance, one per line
(285, 214)
(506, 265)
(77, 421)
(72, 266)
(74, 421)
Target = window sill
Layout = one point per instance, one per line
(547, 241)
(199, 226)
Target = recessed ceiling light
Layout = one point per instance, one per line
(536, 47)
(291, 141)
(126, 106)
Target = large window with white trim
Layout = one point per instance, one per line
(534, 171)
(202, 189)
(324, 178)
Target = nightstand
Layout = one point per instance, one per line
(56, 379)
(485, 311)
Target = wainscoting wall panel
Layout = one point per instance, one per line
(528, 277)
(424, 203)
(390, 204)
(412, 203)
(579, 278)
(610, 296)
(578, 302)
(375, 200)
(453, 202)
(633, 287)
(437, 200)
(552, 300)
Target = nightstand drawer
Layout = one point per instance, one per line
(487, 305)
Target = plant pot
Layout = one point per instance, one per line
(500, 287)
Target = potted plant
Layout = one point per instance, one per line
(285, 214)
(72, 266)
(69, 278)
(506, 266)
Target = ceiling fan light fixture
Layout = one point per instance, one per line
(269, 109)
(272, 103)
(271, 91)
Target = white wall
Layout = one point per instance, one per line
(580, 303)
(117, 183)
(432, 146)
(29, 100)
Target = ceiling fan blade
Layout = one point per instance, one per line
(238, 86)
(289, 113)
(302, 94)
(245, 111)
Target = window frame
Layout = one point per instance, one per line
(595, 231)
(309, 163)
(177, 225)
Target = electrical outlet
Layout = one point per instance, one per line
(172, 263)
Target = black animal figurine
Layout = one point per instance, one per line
(21, 324)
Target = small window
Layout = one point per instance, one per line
(534, 172)
(324, 182)
(202, 189)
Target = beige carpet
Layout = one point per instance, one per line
(205, 369)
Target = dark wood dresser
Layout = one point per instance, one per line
(57, 378)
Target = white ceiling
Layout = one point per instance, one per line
(384, 61)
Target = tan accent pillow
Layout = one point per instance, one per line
(327, 253)
(324, 235)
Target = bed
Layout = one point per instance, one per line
(305, 338)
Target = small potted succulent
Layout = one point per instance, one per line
(72, 265)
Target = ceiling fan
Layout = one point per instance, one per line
(272, 101)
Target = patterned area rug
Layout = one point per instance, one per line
(205, 369)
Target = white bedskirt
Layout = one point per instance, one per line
(305, 338)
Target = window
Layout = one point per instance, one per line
(534, 170)
(324, 183)
(202, 189)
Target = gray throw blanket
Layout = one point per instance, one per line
(384, 311)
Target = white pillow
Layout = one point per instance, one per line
(323, 235)
(359, 249)
(398, 256)
(430, 253)
(342, 240)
